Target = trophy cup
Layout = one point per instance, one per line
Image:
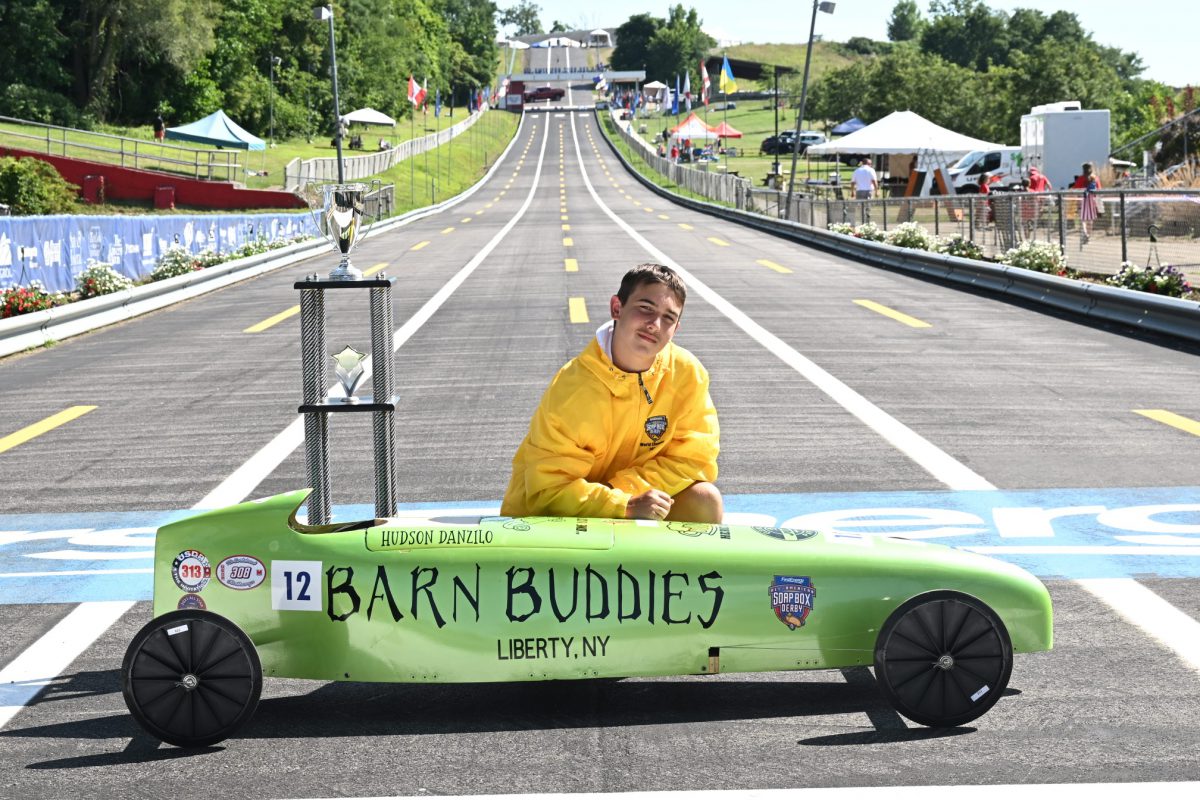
(337, 210)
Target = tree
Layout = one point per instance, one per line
(525, 16)
(906, 22)
(677, 47)
(559, 27)
(633, 41)
(967, 33)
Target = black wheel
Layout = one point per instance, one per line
(943, 659)
(191, 678)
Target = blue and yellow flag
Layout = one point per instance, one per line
(727, 85)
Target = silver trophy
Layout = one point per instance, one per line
(338, 210)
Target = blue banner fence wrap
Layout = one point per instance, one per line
(53, 250)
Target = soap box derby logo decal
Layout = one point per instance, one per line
(792, 599)
(191, 602)
(656, 426)
(241, 572)
(191, 571)
(787, 534)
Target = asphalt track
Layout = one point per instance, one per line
(1062, 446)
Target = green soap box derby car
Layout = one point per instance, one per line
(249, 591)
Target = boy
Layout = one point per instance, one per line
(626, 429)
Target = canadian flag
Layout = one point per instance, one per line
(416, 92)
(707, 83)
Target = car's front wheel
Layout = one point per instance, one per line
(943, 659)
(191, 678)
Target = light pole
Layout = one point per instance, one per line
(827, 7)
(274, 62)
(326, 12)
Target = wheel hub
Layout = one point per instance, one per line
(189, 681)
(946, 662)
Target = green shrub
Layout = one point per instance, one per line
(912, 236)
(958, 246)
(1164, 279)
(100, 278)
(33, 186)
(40, 105)
(1040, 256)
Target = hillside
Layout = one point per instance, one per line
(825, 56)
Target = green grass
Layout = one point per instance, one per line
(788, 55)
(454, 166)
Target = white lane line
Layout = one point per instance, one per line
(938, 463)
(1142, 607)
(1184, 790)
(49, 656)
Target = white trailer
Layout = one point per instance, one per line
(1058, 138)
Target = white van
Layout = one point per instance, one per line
(1004, 162)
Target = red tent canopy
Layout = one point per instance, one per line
(727, 131)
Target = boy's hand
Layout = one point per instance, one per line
(651, 504)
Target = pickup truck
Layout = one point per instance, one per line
(544, 93)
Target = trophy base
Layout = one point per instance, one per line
(345, 271)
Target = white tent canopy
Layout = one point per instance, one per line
(693, 128)
(369, 116)
(903, 132)
(652, 85)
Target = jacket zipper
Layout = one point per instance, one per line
(645, 391)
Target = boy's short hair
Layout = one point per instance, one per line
(651, 273)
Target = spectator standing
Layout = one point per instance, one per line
(1090, 207)
(865, 180)
(160, 128)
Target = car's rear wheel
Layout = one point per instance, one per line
(191, 678)
(943, 659)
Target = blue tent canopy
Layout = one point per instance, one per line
(218, 130)
(849, 126)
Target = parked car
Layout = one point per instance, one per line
(785, 141)
(544, 93)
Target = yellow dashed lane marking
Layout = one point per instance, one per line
(61, 418)
(563, 216)
(571, 265)
(663, 216)
(718, 242)
(419, 245)
(466, 219)
(577, 309)
(568, 241)
(275, 320)
(448, 230)
(566, 227)
(1158, 415)
(686, 227)
(911, 322)
(480, 211)
(772, 265)
(374, 269)
(648, 209)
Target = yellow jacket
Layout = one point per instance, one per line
(596, 440)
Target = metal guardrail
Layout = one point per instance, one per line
(125, 151)
(1169, 316)
(299, 172)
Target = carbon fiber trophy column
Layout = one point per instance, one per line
(338, 212)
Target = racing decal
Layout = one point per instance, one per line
(296, 585)
(656, 426)
(786, 534)
(698, 529)
(392, 538)
(792, 599)
(191, 602)
(542, 647)
(191, 571)
(428, 594)
(241, 572)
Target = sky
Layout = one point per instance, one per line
(1116, 23)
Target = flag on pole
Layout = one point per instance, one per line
(437, 103)
(416, 93)
(675, 97)
(728, 84)
(706, 84)
(687, 89)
